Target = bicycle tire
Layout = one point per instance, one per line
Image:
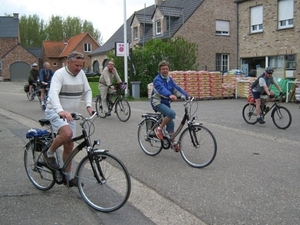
(147, 139)
(99, 107)
(114, 192)
(36, 169)
(281, 117)
(123, 110)
(204, 153)
(29, 96)
(249, 114)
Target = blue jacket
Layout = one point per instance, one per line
(163, 88)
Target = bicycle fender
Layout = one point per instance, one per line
(100, 150)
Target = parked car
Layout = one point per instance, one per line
(91, 74)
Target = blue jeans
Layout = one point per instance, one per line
(167, 112)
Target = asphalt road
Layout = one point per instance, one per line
(253, 180)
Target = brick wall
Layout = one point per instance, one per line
(201, 28)
(271, 41)
(17, 54)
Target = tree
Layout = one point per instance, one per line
(34, 31)
(181, 55)
(31, 31)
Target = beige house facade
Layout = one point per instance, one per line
(268, 35)
(211, 24)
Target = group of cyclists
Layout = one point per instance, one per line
(63, 99)
(40, 78)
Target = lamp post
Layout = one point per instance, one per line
(125, 50)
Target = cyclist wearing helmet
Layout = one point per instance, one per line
(261, 87)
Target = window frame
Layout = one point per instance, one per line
(223, 27)
(135, 32)
(284, 19)
(222, 62)
(87, 47)
(256, 19)
(158, 27)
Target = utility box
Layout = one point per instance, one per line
(135, 89)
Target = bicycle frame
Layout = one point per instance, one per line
(185, 118)
(86, 143)
(111, 102)
(264, 104)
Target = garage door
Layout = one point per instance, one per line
(19, 71)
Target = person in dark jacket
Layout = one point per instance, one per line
(33, 77)
(165, 90)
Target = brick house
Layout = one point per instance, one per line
(268, 34)
(209, 23)
(15, 60)
(55, 52)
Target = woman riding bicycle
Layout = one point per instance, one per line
(164, 91)
(105, 83)
(261, 87)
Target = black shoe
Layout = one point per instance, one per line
(260, 120)
(51, 161)
(108, 114)
(72, 183)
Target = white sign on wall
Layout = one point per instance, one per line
(120, 49)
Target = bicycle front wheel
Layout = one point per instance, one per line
(281, 117)
(108, 187)
(29, 96)
(123, 110)
(198, 146)
(147, 139)
(99, 107)
(249, 114)
(36, 169)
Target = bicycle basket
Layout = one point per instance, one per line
(122, 86)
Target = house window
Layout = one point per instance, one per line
(55, 64)
(285, 13)
(256, 19)
(135, 33)
(222, 62)
(158, 27)
(222, 27)
(283, 61)
(87, 47)
(0, 64)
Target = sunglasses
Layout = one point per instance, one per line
(79, 57)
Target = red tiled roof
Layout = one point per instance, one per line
(72, 43)
(53, 48)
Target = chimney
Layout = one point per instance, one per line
(158, 2)
(16, 15)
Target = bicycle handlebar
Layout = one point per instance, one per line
(78, 116)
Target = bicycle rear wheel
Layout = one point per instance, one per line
(112, 190)
(147, 139)
(36, 169)
(99, 107)
(123, 110)
(249, 114)
(198, 146)
(281, 117)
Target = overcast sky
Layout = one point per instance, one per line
(106, 15)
